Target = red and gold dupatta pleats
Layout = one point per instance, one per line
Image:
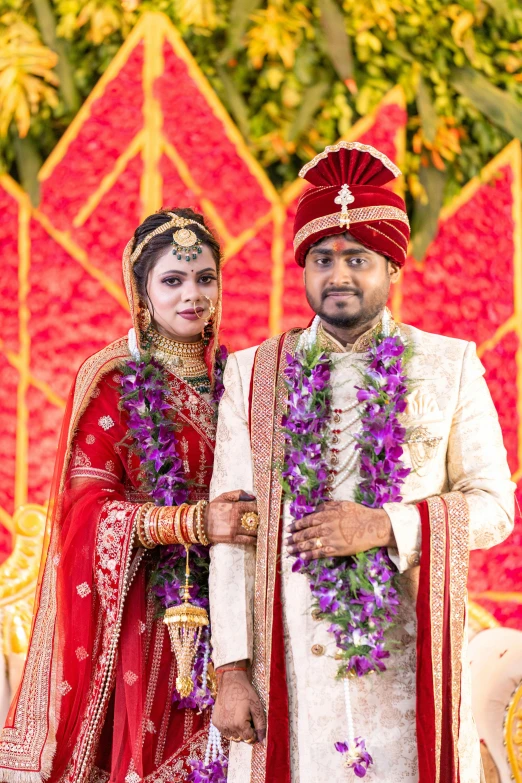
(268, 402)
(441, 615)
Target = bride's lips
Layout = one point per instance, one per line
(190, 315)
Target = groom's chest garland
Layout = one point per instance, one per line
(355, 595)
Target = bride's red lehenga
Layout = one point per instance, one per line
(95, 701)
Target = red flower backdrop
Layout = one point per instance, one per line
(154, 133)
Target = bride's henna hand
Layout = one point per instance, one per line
(341, 528)
(223, 518)
(237, 707)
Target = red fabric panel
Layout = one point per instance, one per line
(350, 166)
(425, 695)
(278, 748)
(447, 759)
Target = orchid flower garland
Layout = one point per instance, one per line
(355, 595)
(145, 398)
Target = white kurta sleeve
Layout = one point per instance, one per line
(232, 568)
(476, 465)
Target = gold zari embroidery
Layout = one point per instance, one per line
(359, 215)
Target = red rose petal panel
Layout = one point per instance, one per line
(110, 226)
(500, 364)
(44, 424)
(72, 316)
(203, 141)
(465, 285)
(176, 193)
(8, 425)
(247, 285)
(99, 134)
(386, 133)
(9, 278)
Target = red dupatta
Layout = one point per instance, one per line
(440, 606)
(95, 697)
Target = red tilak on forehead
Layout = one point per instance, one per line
(337, 246)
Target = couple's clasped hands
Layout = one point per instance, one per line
(229, 520)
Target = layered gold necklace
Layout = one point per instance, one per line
(186, 360)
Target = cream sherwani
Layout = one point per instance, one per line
(455, 445)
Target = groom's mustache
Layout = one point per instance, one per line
(341, 290)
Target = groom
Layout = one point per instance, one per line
(443, 489)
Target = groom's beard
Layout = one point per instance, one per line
(358, 310)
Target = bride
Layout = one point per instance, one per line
(103, 697)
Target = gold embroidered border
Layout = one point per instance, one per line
(458, 526)
(351, 145)
(262, 418)
(359, 215)
(276, 492)
(267, 405)
(437, 511)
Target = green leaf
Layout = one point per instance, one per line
(339, 48)
(310, 102)
(427, 111)
(240, 12)
(498, 106)
(425, 219)
(235, 102)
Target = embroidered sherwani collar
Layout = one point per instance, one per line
(361, 345)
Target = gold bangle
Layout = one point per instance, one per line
(141, 530)
(177, 526)
(191, 516)
(150, 543)
(153, 524)
(200, 527)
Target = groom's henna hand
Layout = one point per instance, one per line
(237, 707)
(342, 528)
(223, 518)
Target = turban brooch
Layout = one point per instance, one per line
(347, 195)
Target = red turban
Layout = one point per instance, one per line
(348, 197)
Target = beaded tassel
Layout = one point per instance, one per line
(185, 623)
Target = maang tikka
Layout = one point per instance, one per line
(186, 244)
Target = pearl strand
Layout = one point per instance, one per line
(349, 716)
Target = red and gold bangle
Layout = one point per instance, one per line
(200, 526)
(183, 523)
(152, 529)
(191, 517)
(164, 525)
(177, 525)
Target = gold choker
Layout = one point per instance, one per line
(184, 359)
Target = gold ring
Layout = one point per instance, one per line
(236, 739)
(250, 741)
(250, 521)
(318, 543)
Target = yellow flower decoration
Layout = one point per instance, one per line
(278, 31)
(197, 13)
(27, 78)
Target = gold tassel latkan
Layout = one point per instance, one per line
(185, 623)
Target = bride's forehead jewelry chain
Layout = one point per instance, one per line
(185, 242)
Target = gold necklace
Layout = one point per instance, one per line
(186, 360)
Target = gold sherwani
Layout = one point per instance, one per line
(454, 444)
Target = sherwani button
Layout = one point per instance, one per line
(318, 649)
(316, 614)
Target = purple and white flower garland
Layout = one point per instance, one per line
(355, 595)
(144, 396)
